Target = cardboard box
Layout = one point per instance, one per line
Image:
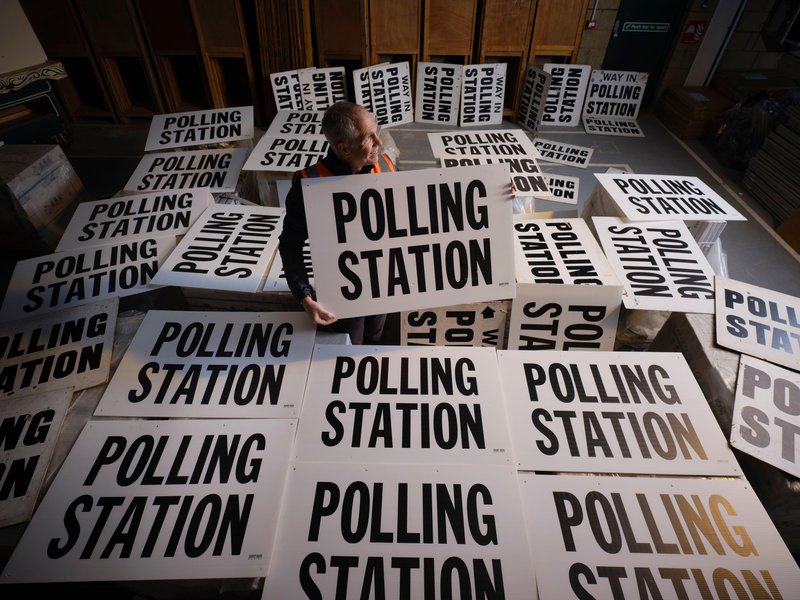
(39, 191)
(687, 111)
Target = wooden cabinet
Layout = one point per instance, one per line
(341, 32)
(557, 30)
(449, 31)
(505, 37)
(395, 31)
(57, 24)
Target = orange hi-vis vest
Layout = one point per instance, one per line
(384, 165)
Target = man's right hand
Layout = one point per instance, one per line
(317, 312)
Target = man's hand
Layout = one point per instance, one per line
(317, 312)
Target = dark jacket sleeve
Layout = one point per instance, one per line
(292, 240)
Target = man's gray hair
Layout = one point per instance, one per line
(338, 123)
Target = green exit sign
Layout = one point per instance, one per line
(645, 27)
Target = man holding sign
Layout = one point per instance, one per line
(355, 148)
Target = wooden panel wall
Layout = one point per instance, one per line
(557, 29)
(449, 31)
(340, 28)
(395, 31)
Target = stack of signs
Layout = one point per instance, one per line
(579, 312)
(659, 263)
(477, 324)
(230, 247)
(438, 96)
(82, 276)
(127, 218)
(293, 141)
(160, 499)
(565, 95)
(68, 348)
(606, 536)
(494, 146)
(402, 484)
(213, 365)
(30, 426)
(385, 91)
(759, 322)
(533, 98)
(309, 89)
(612, 103)
(483, 89)
(217, 169)
(202, 127)
(564, 154)
(410, 240)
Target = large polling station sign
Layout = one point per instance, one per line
(286, 152)
(476, 324)
(511, 143)
(759, 322)
(528, 180)
(63, 348)
(533, 98)
(411, 531)
(653, 537)
(176, 499)
(659, 263)
(201, 127)
(565, 96)
(217, 169)
(320, 88)
(438, 93)
(29, 428)
(766, 415)
(385, 91)
(660, 197)
(394, 404)
(411, 240)
(75, 277)
(483, 89)
(296, 122)
(126, 218)
(610, 412)
(286, 90)
(613, 101)
(230, 247)
(213, 364)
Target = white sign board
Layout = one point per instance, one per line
(614, 94)
(766, 415)
(568, 85)
(349, 531)
(526, 177)
(29, 428)
(286, 152)
(660, 197)
(483, 89)
(213, 365)
(400, 241)
(659, 263)
(286, 90)
(361, 88)
(392, 404)
(564, 317)
(217, 169)
(74, 277)
(276, 277)
(610, 412)
(559, 251)
(533, 98)
(322, 87)
(126, 218)
(511, 142)
(564, 154)
(195, 128)
(612, 126)
(177, 499)
(438, 95)
(230, 247)
(385, 91)
(642, 537)
(759, 322)
(478, 324)
(296, 122)
(64, 348)
(563, 188)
